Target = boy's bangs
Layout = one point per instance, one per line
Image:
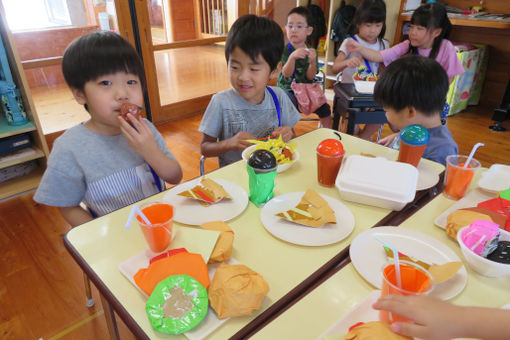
(108, 61)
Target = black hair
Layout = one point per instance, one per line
(413, 81)
(432, 16)
(97, 54)
(369, 11)
(256, 36)
(304, 12)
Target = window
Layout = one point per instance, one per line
(36, 14)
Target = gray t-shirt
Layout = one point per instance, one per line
(228, 114)
(102, 171)
(441, 144)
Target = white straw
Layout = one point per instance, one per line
(477, 145)
(395, 257)
(142, 215)
(130, 218)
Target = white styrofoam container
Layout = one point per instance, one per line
(377, 181)
(364, 87)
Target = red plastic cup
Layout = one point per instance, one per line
(330, 154)
(159, 233)
(416, 280)
(458, 178)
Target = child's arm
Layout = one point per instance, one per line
(290, 65)
(141, 138)
(367, 53)
(75, 215)
(341, 62)
(436, 319)
(286, 132)
(312, 64)
(211, 147)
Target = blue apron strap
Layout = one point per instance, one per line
(289, 46)
(369, 69)
(276, 104)
(157, 180)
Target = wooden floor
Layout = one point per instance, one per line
(41, 288)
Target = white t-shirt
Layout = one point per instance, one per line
(349, 71)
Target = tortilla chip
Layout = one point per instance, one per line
(223, 248)
(236, 290)
(312, 211)
(376, 330)
(207, 192)
(461, 218)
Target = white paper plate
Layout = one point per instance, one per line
(427, 176)
(211, 321)
(280, 168)
(496, 179)
(471, 199)
(190, 211)
(362, 312)
(368, 256)
(307, 236)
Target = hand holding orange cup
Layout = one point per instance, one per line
(158, 233)
(415, 280)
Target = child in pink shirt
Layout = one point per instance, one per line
(428, 35)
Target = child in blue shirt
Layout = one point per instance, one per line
(250, 109)
(105, 162)
(412, 90)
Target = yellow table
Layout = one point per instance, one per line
(100, 245)
(338, 295)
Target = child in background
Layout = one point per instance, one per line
(250, 109)
(299, 60)
(430, 28)
(105, 162)
(412, 90)
(367, 28)
(435, 319)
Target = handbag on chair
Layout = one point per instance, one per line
(309, 96)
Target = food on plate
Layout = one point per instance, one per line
(223, 248)
(126, 108)
(312, 211)
(178, 304)
(236, 290)
(495, 217)
(362, 74)
(461, 218)
(181, 263)
(440, 273)
(373, 330)
(207, 192)
(282, 151)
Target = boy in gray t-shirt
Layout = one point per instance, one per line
(248, 110)
(105, 162)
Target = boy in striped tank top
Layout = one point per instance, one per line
(105, 162)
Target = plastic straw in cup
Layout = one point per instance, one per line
(134, 210)
(477, 145)
(395, 257)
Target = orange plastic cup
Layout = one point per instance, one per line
(458, 178)
(330, 154)
(159, 233)
(416, 280)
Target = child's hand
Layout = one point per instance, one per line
(239, 141)
(312, 55)
(138, 135)
(353, 62)
(353, 46)
(433, 318)
(285, 131)
(300, 53)
(388, 139)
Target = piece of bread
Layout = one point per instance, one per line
(461, 218)
(376, 330)
(129, 108)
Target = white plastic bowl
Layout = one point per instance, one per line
(364, 87)
(281, 168)
(480, 264)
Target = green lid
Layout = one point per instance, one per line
(505, 194)
(191, 288)
(414, 135)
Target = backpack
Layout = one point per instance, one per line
(341, 22)
(318, 24)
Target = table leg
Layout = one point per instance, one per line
(351, 122)
(109, 315)
(336, 114)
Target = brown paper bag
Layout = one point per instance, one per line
(236, 290)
